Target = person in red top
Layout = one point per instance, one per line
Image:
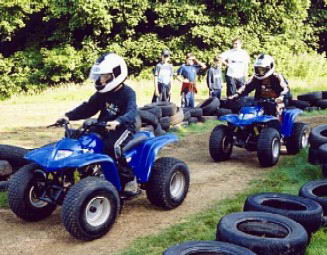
(187, 75)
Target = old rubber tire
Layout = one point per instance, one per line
(311, 97)
(4, 186)
(148, 118)
(299, 138)
(165, 123)
(299, 104)
(196, 112)
(318, 136)
(22, 194)
(167, 108)
(178, 117)
(193, 120)
(304, 211)
(223, 111)
(221, 143)
(169, 183)
(268, 147)
(209, 106)
(317, 191)
(187, 115)
(14, 155)
(207, 247)
(90, 208)
(155, 110)
(324, 170)
(321, 103)
(263, 233)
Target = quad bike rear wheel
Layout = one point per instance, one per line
(169, 183)
(90, 208)
(268, 147)
(299, 138)
(24, 189)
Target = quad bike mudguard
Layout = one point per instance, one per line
(84, 151)
(142, 156)
(243, 118)
(288, 119)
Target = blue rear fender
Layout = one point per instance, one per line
(144, 155)
(288, 119)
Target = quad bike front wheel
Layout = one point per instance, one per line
(221, 143)
(268, 147)
(299, 138)
(24, 189)
(90, 208)
(169, 183)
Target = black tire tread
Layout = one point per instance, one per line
(215, 148)
(264, 146)
(69, 212)
(17, 182)
(294, 143)
(156, 188)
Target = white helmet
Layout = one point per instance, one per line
(109, 63)
(264, 66)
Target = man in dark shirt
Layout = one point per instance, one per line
(115, 101)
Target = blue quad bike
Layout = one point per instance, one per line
(75, 173)
(254, 130)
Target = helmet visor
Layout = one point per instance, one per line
(261, 71)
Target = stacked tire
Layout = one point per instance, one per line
(318, 147)
(311, 101)
(11, 159)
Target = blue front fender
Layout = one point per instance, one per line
(237, 121)
(110, 170)
(143, 156)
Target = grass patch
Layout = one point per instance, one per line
(196, 128)
(315, 113)
(288, 177)
(3, 199)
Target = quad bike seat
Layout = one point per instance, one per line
(137, 139)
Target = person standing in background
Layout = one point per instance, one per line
(214, 78)
(187, 75)
(237, 61)
(163, 78)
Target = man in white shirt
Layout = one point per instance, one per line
(237, 61)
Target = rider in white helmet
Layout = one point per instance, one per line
(266, 83)
(115, 101)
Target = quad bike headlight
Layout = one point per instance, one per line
(248, 116)
(62, 154)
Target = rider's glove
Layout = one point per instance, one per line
(62, 121)
(279, 100)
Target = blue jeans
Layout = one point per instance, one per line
(233, 84)
(215, 93)
(188, 99)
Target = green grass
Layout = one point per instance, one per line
(287, 177)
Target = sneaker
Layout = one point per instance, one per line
(131, 188)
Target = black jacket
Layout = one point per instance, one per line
(113, 105)
(278, 85)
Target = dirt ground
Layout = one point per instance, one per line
(210, 182)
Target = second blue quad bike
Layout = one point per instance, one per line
(254, 130)
(76, 173)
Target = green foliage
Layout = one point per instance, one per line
(54, 41)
